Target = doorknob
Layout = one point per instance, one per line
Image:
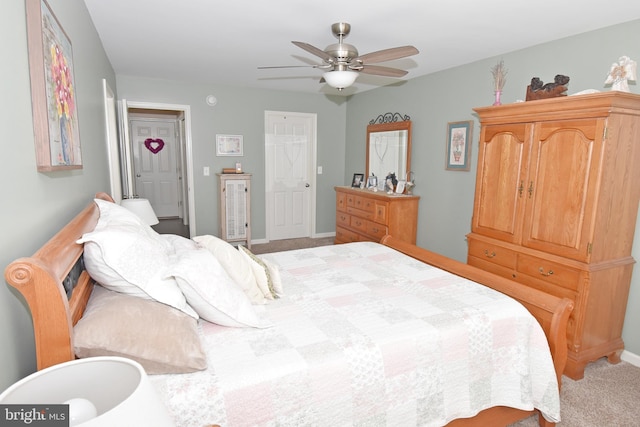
(138, 175)
(307, 185)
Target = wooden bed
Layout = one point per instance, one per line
(56, 287)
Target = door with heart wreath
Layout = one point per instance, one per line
(155, 164)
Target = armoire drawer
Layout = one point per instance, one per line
(549, 271)
(491, 267)
(492, 253)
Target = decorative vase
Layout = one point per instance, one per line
(497, 101)
(65, 144)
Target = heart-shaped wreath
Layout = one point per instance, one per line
(154, 145)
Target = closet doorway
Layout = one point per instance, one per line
(157, 161)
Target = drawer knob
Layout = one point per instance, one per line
(547, 274)
(489, 255)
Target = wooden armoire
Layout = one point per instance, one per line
(556, 201)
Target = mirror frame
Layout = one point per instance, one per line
(385, 127)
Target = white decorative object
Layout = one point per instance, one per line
(620, 73)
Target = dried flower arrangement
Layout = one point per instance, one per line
(499, 75)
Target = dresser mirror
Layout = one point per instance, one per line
(389, 149)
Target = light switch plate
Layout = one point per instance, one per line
(205, 171)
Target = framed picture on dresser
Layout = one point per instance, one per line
(358, 179)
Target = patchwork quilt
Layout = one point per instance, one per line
(365, 335)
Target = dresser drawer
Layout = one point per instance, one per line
(381, 210)
(346, 236)
(360, 213)
(358, 223)
(364, 204)
(376, 230)
(341, 201)
(343, 219)
(549, 271)
(492, 253)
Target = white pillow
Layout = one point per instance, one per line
(235, 264)
(210, 290)
(126, 256)
(261, 272)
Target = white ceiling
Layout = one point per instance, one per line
(224, 42)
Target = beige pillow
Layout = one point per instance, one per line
(274, 274)
(235, 264)
(162, 339)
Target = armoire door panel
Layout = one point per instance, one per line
(500, 185)
(565, 164)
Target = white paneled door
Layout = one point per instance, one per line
(155, 164)
(289, 174)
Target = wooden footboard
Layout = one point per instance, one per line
(551, 312)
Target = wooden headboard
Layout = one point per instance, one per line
(56, 287)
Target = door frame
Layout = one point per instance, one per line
(185, 143)
(311, 172)
(111, 136)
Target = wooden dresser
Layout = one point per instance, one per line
(556, 200)
(364, 215)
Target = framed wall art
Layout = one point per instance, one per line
(229, 145)
(459, 140)
(53, 91)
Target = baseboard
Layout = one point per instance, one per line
(313, 236)
(321, 235)
(629, 357)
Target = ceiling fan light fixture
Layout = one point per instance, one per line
(340, 79)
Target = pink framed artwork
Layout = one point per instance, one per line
(53, 92)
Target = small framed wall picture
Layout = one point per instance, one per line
(358, 179)
(229, 145)
(459, 139)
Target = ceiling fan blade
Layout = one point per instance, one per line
(387, 54)
(382, 71)
(293, 66)
(314, 50)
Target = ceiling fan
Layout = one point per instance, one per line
(343, 63)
